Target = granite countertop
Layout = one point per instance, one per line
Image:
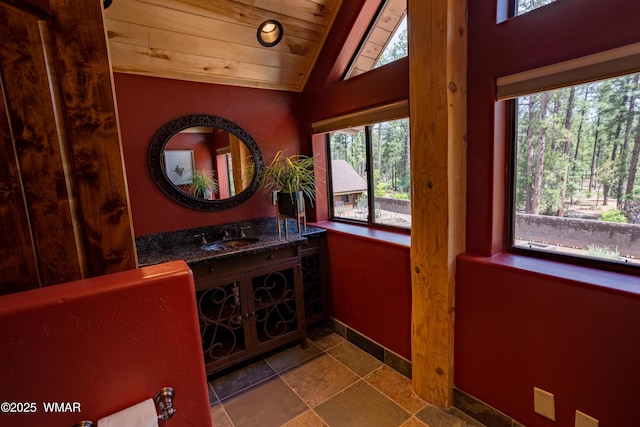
(164, 247)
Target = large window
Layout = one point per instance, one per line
(370, 174)
(576, 187)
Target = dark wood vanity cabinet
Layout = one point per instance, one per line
(249, 305)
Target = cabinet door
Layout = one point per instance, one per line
(314, 283)
(276, 306)
(223, 323)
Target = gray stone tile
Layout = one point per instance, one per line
(308, 419)
(359, 361)
(240, 379)
(396, 387)
(318, 379)
(325, 338)
(361, 405)
(414, 422)
(292, 356)
(219, 417)
(479, 411)
(213, 398)
(437, 417)
(269, 404)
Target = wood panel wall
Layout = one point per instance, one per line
(437, 70)
(64, 209)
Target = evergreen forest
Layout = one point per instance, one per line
(580, 142)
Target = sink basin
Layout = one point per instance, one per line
(230, 243)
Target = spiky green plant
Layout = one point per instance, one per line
(202, 180)
(290, 174)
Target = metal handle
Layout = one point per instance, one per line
(164, 402)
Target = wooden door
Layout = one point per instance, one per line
(64, 210)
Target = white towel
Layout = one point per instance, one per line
(142, 414)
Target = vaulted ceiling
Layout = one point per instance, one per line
(216, 41)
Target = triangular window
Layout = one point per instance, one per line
(385, 42)
(524, 6)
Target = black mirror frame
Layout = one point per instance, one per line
(157, 167)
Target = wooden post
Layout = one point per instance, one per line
(437, 73)
(93, 138)
(64, 207)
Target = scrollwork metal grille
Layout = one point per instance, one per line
(275, 304)
(221, 321)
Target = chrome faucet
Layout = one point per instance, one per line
(203, 239)
(242, 233)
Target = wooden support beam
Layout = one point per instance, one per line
(437, 93)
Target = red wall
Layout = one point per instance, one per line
(371, 289)
(516, 329)
(370, 279)
(272, 118)
(106, 343)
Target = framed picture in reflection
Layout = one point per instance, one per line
(179, 164)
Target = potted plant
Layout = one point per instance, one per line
(202, 184)
(292, 178)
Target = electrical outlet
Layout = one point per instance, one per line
(544, 403)
(584, 420)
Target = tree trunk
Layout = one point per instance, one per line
(634, 162)
(528, 185)
(542, 142)
(622, 163)
(582, 113)
(566, 146)
(592, 174)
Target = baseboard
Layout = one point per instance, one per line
(480, 411)
(462, 401)
(386, 356)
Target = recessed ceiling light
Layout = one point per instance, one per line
(270, 33)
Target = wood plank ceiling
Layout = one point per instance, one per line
(216, 42)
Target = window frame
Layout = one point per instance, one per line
(370, 223)
(515, 4)
(363, 42)
(600, 65)
(510, 210)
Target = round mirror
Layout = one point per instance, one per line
(205, 162)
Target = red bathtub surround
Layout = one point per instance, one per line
(102, 345)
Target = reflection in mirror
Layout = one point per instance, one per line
(205, 162)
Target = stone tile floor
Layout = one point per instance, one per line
(332, 383)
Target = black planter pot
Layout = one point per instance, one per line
(287, 203)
